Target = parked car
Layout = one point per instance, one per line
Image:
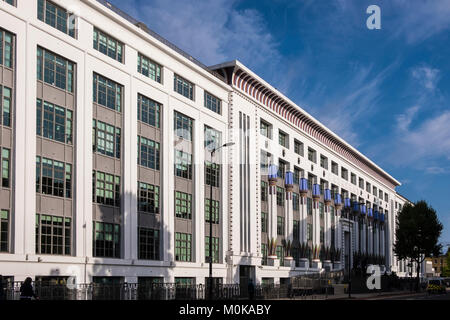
(436, 285)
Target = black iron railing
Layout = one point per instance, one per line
(168, 291)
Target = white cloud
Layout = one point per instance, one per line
(419, 145)
(404, 120)
(438, 170)
(417, 21)
(346, 113)
(427, 76)
(211, 31)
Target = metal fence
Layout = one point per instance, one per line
(168, 291)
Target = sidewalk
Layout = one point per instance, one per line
(375, 295)
(359, 296)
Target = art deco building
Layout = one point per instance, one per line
(105, 135)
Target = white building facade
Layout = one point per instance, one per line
(106, 168)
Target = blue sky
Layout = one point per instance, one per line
(384, 91)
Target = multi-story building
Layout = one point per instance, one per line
(438, 264)
(106, 135)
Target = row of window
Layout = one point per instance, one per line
(283, 139)
(64, 21)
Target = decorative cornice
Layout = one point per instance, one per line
(250, 85)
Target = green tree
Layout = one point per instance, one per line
(417, 234)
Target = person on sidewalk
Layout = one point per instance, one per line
(27, 291)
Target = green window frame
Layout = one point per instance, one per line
(106, 139)
(265, 129)
(183, 126)
(149, 244)
(280, 226)
(5, 106)
(54, 122)
(149, 68)
(183, 205)
(283, 139)
(213, 138)
(183, 164)
(264, 191)
(148, 198)
(298, 147)
(280, 254)
(295, 201)
(108, 45)
(53, 235)
(280, 196)
(53, 177)
(6, 167)
(309, 231)
(55, 70)
(264, 222)
(215, 211)
(215, 249)
(183, 87)
(4, 230)
(6, 49)
(183, 247)
(107, 92)
(264, 253)
(309, 206)
(107, 239)
(148, 153)
(56, 17)
(212, 174)
(212, 103)
(149, 111)
(106, 189)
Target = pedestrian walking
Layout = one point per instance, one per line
(27, 291)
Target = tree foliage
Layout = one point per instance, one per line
(417, 234)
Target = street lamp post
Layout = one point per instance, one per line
(210, 287)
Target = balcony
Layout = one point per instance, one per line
(303, 187)
(347, 203)
(355, 207)
(289, 181)
(327, 196)
(273, 174)
(337, 200)
(376, 215)
(316, 191)
(363, 209)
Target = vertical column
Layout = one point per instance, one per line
(303, 210)
(288, 209)
(129, 177)
(363, 237)
(272, 219)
